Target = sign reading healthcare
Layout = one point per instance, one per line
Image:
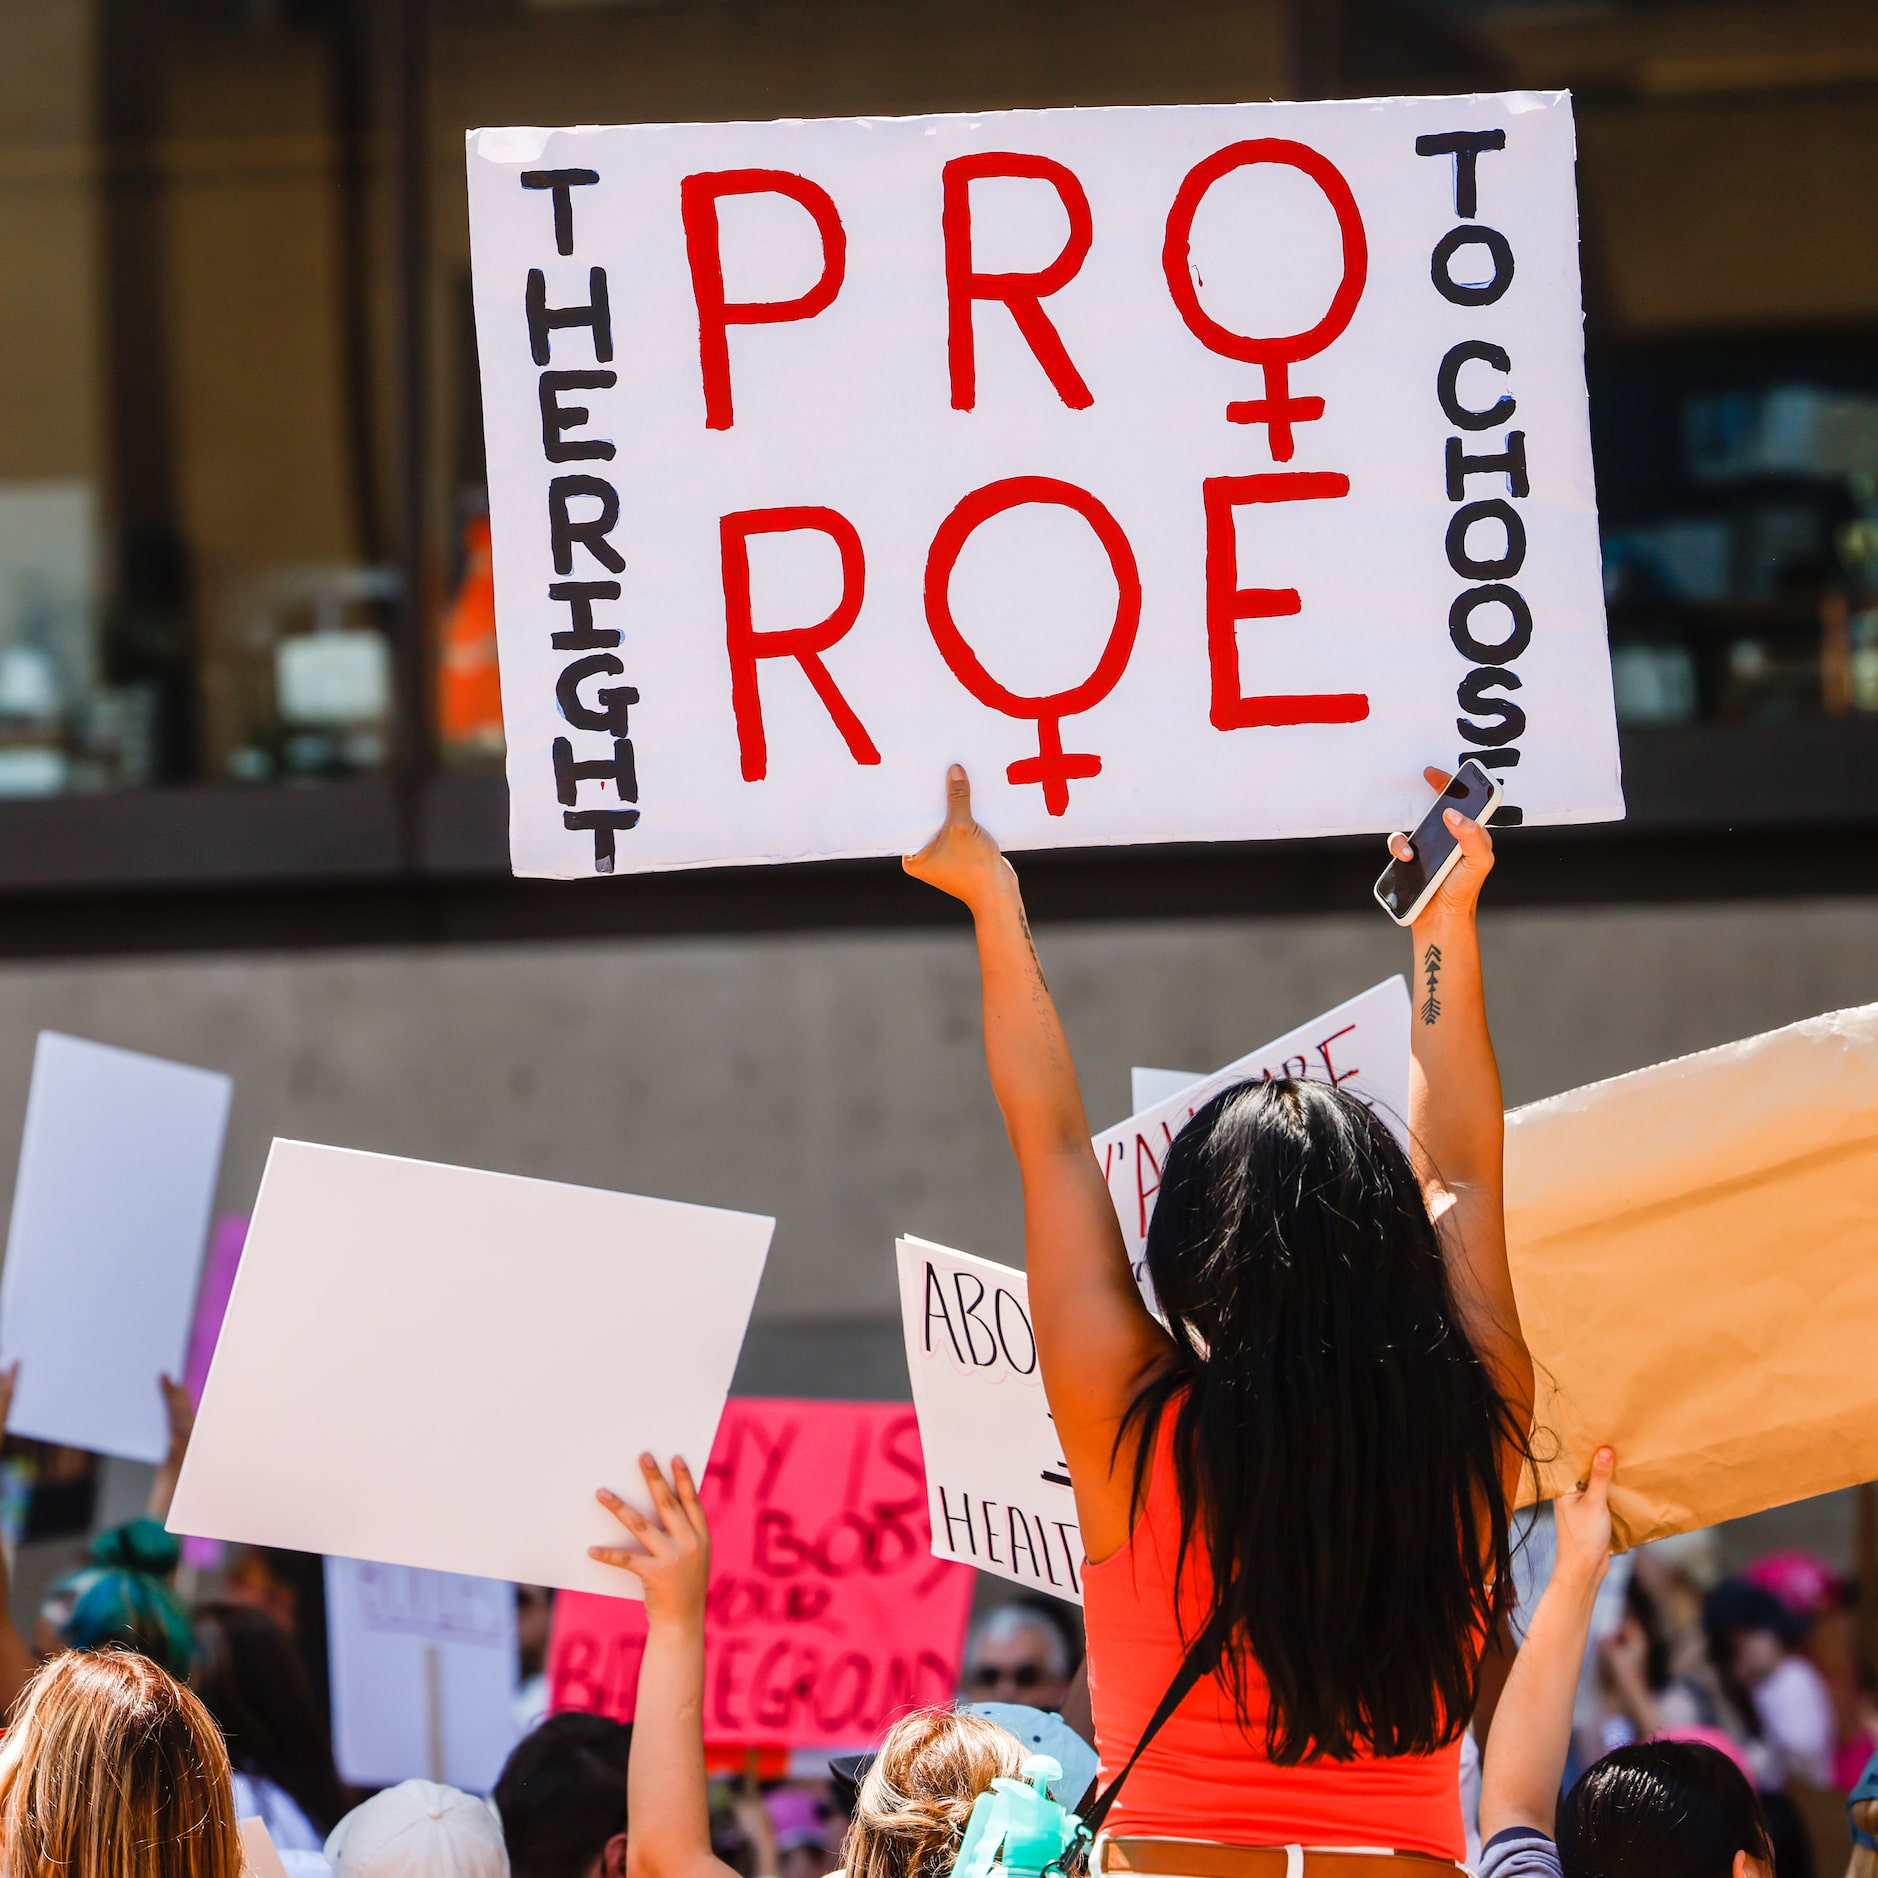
(1187, 473)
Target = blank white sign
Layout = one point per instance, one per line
(423, 1674)
(118, 1164)
(437, 1366)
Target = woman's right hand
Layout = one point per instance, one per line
(962, 859)
(675, 1564)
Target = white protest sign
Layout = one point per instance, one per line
(424, 1672)
(996, 1485)
(1362, 1046)
(436, 1366)
(118, 1165)
(1189, 473)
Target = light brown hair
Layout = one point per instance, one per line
(112, 1769)
(918, 1794)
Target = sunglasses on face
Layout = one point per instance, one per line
(990, 1676)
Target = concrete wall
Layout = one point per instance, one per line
(838, 1081)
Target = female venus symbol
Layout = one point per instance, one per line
(1051, 766)
(1278, 410)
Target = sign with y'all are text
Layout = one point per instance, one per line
(1195, 472)
(1362, 1046)
(827, 1616)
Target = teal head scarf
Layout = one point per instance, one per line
(123, 1595)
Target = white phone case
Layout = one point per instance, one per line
(1495, 792)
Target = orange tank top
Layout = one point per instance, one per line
(1203, 1776)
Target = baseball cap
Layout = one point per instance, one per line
(418, 1830)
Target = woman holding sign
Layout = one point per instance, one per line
(1294, 1491)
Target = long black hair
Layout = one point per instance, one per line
(1338, 1444)
(250, 1678)
(1661, 1809)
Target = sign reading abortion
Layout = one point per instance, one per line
(998, 1488)
(1187, 473)
(827, 1615)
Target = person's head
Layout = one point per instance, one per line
(418, 1830)
(562, 1797)
(122, 1595)
(250, 1678)
(1663, 1809)
(1017, 1654)
(112, 1769)
(1749, 1632)
(917, 1795)
(1339, 1443)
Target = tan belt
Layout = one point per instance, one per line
(1199, 1858)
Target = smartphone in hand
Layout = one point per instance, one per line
(1405, 887)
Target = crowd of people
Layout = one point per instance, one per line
(1295, 1479)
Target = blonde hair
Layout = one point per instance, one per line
(918, 1794)
(112, 1769)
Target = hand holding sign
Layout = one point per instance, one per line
(963, 858)
(673, 1558)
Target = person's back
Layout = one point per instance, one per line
(112, 1769)
(250, 1677)
(1296, 1482)
(562, 1798)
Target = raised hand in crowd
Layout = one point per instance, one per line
(1096, 1339)
(179, 1405)
(1525, 1754)
(1457, 1117)
(666, 1792)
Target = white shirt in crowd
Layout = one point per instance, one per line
(1795, 1708)
(287, 1826)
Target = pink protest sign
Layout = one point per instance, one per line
(828, 1616)
(218, 1280)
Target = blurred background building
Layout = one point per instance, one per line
(251, 804)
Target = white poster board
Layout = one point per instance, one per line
(997, 1488)
(424, 1673)
(437, 1366)
(118, 1165)
(1149, 1086)
(1362, 1046)
(1189, 473)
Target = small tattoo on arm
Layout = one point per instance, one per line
(1431, 965)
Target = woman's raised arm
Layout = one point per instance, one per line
(1456, 1118)
(1096, 1339)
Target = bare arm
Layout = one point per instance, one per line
(181, 1409)
(1525, 1754)
(666, 1803)
(1096, 1339)
(1456, 1117)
